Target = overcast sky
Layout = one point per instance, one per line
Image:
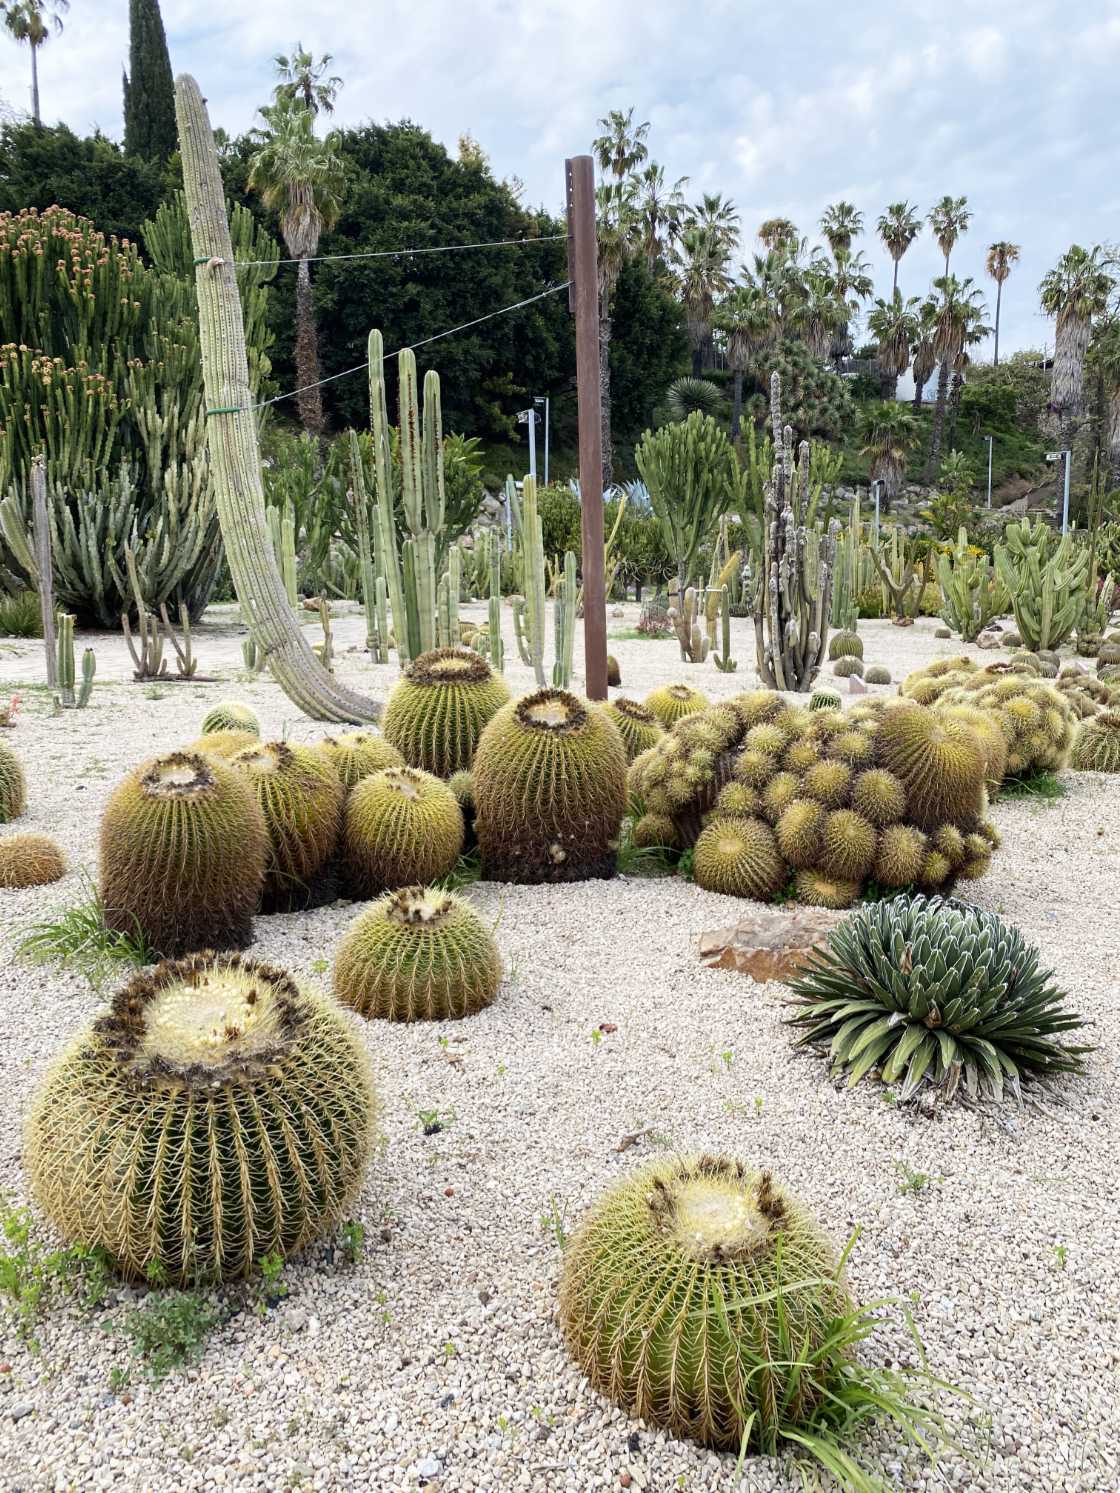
(783, 107)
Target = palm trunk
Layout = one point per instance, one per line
(918, 387)
(934, 461)
(894, 282)
(999, 295)
(35, 84)
(737, 404)
(605, 389)
(310, 397)
(954, 409)
(888, 385)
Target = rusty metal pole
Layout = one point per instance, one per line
(583, 300)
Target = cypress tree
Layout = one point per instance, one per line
(149, 90)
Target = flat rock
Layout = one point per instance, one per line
(989, 640)
(769, 943)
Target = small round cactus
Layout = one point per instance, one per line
(228, 715)
(939, 762)
(655, 832)
(30, 860)
(418, 955)
(847, 665)
(1096, 746)
(614, 673)
(402, 827)
(845, 644)
(216, 1114)
(183, 854)
(942, 632)
(13, 785)
(671, 702)
(550, 790)
(698, 1295)
(356, 754)
(877, 674)
(224, 744)
(300, 797)
(824, 699)
(814, 889)
(739, 857)
(438, 710)
(635, 723)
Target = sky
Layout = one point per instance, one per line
(784, 108)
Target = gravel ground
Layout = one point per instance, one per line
(434, 1361)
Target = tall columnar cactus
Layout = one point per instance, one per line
(375, 591)
(1047, 578)
(215, 1114)
(530, 612)
(971, 591)
(719, 602)
(904, 577)
(232, 433)
(282, 528)
(495, 646)
(68, 697)
(793, 591)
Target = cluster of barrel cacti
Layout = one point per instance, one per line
(773, 798)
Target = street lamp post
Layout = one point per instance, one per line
(529, 417)
(544, 399)
(990, 439)
(1067, 458)
(876, 488)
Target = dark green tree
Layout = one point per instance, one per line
(90, 175)
(149, 90)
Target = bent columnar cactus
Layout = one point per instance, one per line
(183, 854)
(217, 1113)
(549, 790)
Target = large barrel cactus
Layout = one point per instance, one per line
(437, 711)
(550, 790)
(216, 1114)
(418, 955)
(402, 827)
(183, 855)
(700, 1296)
(300, 796)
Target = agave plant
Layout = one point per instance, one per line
(931, 991)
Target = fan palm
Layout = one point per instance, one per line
(32, 21)
(888, 432)
(960, 315)
(976, 330)
(852, 284)
(301, 178)
(778, 233)
(841, 223)
(1106, 359)
(621, 148)
(702, 276)
(949, 218)
(616, 230)
(718, 216)
(1073, 292)
(924, 356)
(819, 314)
(898, 227)
(304, 77)
(660, 210)
(1001, 257)
(894, 325)
(747, 324)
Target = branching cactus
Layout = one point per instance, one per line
(683, 614)
(529, 612)
(971, 592)
(1048, 581)
(70, 698)
(793, 591)
(903, 579)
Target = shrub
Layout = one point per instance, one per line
(21, 615)
(933, 992)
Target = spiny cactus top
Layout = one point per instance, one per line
(402, 827)
(698, 1295)
(356, 754)
(301, 797)
(13, 785)
(263, 1105)
(437, 711)
(934, 992)
(229, 715)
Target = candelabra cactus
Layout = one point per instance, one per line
(529, 611)
(971, 590)
(793, 589)
(904, 578)
(1047, 579)
(683, 613)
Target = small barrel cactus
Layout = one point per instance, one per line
(183, 854)
(739, 857)
(845, 644)
(418, 955)
(30, 860)
(224, 744)
(847, 665)
(824, 699)
(550, 790)
(1096, 746)
(930, 992)
(698, 1295)
(635, 723)
(216, 1114)
(614, 673)
(402, 827)
(13, 785)
(670, 702)
(301, 797)
(356, 754)
(228, 715)
(438, 710)
(877, 674)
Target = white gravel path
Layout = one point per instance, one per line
(435, 1361)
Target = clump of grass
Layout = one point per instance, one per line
(21, 616)
(79, 939)
(1040, 785)
(642, 860)
(466, 870)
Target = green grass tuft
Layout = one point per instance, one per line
(1040, 785)
(78, 939)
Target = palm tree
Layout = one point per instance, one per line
(976, 330)
(747, 324)
(888, 432)
(852, 283)
(660, 210)
(778, 233)
(300, 177)
(925, 356)
(719, 216)
(840, 224)
(960, 311)
(818, 313)
(621, 148)
(1001, 256)
(701, 257)
(898, 227)
(1106, 359)
(304, 77)
(32, 21)
(949, 218)
(1073, 292)
(894, 325)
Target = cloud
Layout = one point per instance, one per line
(784, 109)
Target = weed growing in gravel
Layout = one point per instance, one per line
(319, 966)
(78, 939)
(271, 1288)
(641, 860)
(167, 1331)
(913, 1182)
(354, 1240)
(466, 870)
(432, 1121)
(554, 1222)
(1040, 785)
(684, 865)
(1060, 1253)
(33, 1277)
